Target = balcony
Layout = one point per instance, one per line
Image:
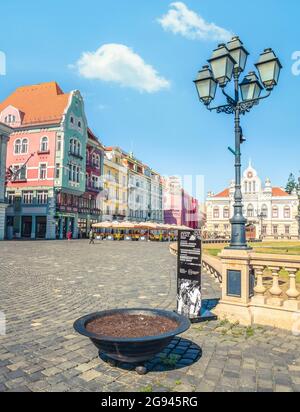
(76, 155)
(43, 152)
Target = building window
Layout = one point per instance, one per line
(44, 144)
(78, 174)
(43, 171)
(275, 230)
(25, 146)
(264, 230)
(27, 197)
(216, 213)
(20, 173)
(57, 171)
(72, 120)
(275, 212)
(264, 211)
(287, 212)
(18, 145)
(79, 125)
(246, 187)
(254, 187)
(58, 148)
(226, 213)
(287, 230)
(11, 197)
(250, 211)
(226, 228)
(42, 197)
(216, 227)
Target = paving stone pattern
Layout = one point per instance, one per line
(46, 286)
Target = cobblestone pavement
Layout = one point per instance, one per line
(45, 286)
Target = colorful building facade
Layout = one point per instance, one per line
(115, 205)
(47, 158)
(145, 196)
(4, 134)
(180, 208)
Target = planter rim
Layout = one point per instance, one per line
(183, 325)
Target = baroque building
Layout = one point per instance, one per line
(270, 211)
(46, 160)
(4, 133)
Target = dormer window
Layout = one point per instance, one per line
(10, 119)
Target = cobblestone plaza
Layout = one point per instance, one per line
(46, 286)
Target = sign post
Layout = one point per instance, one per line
(189, 273)
(189, 267)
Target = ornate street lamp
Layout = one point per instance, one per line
(206, 85)
(226, 62)
(269, 68)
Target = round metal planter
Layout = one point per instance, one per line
(132, 350)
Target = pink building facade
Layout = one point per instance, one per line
(180, 208)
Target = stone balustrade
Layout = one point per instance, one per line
(276, 280)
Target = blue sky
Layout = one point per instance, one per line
(164, 124)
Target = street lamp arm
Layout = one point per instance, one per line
(230, 100)
(227, 108)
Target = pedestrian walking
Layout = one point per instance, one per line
(91, 237)
(69, 235)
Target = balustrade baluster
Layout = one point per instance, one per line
(259, 289)
(275, 291)
(292, 294)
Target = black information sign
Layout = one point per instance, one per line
(189, 297)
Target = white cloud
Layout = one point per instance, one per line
(119, 64)
(181, 20)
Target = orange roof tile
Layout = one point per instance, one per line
(278, 192)
(225, 193)
(40, 104)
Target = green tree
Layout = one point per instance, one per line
(291, 184)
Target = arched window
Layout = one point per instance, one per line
(250, 187)
(24, 146)
(264, 211)
(72, 120)
(250, 211)
(44, 144)
(79, 124)
(287, 212)
(78, 148)
(18, 145)
(226, 213)
(71, 145)
(97, 160)
(275, 212)
(254, 187)
(216, 213)
(94, 159)
(246, 187)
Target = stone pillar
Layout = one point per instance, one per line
(33, 227)
(61, 228)
(236, 293)
(3, 207)
(51, 221)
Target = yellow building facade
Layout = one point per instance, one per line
(115, 205)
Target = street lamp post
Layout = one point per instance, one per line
(261, 217)
(227, 62)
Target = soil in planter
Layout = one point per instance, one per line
(131, 326)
